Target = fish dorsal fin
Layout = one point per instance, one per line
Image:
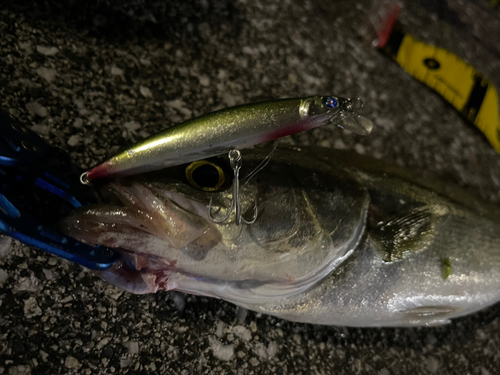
(408, 233)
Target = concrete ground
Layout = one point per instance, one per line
(93, 76)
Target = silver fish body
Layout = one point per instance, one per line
(340, 240)
(231, 128)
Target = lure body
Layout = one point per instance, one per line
(233, 128)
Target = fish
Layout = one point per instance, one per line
(238, 127)
(341, 239)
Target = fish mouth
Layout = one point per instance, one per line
(148, 228)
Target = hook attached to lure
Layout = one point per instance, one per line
(235, 162)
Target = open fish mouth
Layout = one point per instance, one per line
(168, 242)
(149, 231)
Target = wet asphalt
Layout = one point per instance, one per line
(91, 77)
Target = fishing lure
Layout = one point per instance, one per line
(229, 129)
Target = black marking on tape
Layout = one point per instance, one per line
(477, 94)
(432, 64)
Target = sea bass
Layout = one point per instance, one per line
(340, 239)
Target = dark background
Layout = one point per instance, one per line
(93, 76)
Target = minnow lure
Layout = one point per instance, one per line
(239, 127)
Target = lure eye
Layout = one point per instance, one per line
(205, 175)
(330, 102)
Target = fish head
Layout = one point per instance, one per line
(310, 219)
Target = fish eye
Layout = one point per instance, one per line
(204, 175)
(330, 102)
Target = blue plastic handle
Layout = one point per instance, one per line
(23, 157)
(31, 232)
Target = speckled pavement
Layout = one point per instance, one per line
(91, 77)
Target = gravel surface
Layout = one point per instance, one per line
(91, 77)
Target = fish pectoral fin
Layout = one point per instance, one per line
(407, 233)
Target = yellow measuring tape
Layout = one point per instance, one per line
(458, 82)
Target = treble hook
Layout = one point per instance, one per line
(235, 162)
